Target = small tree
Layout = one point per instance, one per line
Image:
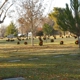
(11, 29)
(47, 29)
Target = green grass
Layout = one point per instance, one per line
(36, 41)
(48, 62)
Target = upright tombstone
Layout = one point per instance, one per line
(10, 36)
(18, 78)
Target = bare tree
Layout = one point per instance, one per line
(31, 12)
(24, 26)
(2, 31)
(3, 11)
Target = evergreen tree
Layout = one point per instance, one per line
(47, 29)
(11, 29)
(52, 16)
(68, 19)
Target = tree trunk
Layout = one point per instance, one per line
(79, 41)
(27, 36)
(32, 41)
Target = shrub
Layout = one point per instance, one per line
(44, 38)
(8, 40)
(76, 42)
(52, 40)
(41, 43)
(62, 37)
(54, 37)
(61, 42)
(12, 40)
(18, 38)
(25, 43)
(75, 37)
(22, 39)
(18, 42)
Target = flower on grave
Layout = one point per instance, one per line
(25, 43)
(52, 40)
(18, 42)
(23, 39)
(62, 37)
(66, 36)
(75, 37)
(76, 42)
(54, 37)
(8, 40)
(12, 40)
(44, 38)
(41, 43)
(61, 42)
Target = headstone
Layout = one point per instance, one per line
(14, 60)
(10, 36)
(58, 56)
(33, 59)
(74, 54)
(18, 78)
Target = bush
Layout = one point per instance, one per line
(52, 40)
(62, 37)
(76, 42)
(54, 37)
(39, 33)
(25, 43)
(41, 43)
(61, 42)
(22, 39)
(44, 38)
(75, 37)
(12, 40)
(8, 40)
(18, 42)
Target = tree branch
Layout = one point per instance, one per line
(5, 13)
(3, 3)
(1, 13)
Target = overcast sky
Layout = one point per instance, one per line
(50, 4)
(55, 3)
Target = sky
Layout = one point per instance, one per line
(56, 3)
(50, 4)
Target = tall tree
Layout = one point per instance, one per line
(53, 16)
(68, 19)
(31, 12)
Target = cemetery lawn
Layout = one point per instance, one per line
(51, 61)
(40, 62)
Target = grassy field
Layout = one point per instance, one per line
(51, 61)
